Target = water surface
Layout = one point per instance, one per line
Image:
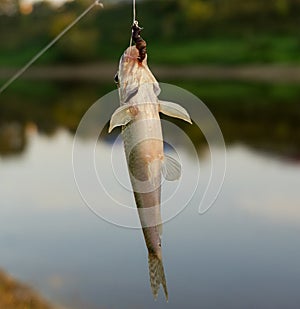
(243, 253)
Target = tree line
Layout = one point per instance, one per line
(103, 32)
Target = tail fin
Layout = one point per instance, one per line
(157, 275)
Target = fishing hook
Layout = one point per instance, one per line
(140, 43)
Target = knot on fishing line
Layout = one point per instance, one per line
(97, 2)
(140, 43)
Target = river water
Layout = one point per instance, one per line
(242, 253)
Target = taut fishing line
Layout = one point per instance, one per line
(134, 11)
(134, 19)
(39, 54)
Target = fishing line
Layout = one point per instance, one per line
(39, 54)
(134, 12)
(134, 19)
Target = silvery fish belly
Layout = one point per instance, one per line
(143, 142)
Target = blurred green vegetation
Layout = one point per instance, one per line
(261, 115)
(177, 32)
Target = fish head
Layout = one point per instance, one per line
(128, 75)
(130, 67)
(131, 54)
(133, 74)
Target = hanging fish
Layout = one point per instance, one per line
(143, 142)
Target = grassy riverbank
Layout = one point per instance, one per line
(261, 49)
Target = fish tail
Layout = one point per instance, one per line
(157, 275)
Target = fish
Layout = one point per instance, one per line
(138, 115)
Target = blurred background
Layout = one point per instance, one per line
(242, 59)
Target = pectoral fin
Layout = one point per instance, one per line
(171, 168)
(120, 117)
(174, 110)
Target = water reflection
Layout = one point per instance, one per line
(241, 254)
(260, 122)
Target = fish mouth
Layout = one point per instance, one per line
(128, 67)
(131, 53)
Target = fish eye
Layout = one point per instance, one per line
(116, 78)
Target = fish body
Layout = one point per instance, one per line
(138, 115)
